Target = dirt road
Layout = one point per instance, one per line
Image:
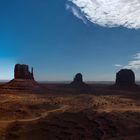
(43, 115)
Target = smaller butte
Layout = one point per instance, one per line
(78, 82)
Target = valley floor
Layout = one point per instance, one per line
(69, 114)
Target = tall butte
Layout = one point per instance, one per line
(23, 79)
(22, 72)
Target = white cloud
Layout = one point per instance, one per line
(118, 65)
(110, 13)
(137, 56)
(135, 63)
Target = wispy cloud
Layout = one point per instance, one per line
(109, 13)
(135, 63)
(118, 65)
(76, 12)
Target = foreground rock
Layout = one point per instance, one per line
(78, 82)
(83, 125)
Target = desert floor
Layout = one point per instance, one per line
(59, 113)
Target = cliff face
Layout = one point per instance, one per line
(125, 77)
(22, 72)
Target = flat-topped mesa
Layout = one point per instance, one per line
(21, 71)
(78, 81)
(125, 77)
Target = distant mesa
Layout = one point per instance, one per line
(78, 81)
(22, 72)
(125, 78)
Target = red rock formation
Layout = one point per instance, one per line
(78, 81)
(125, 77)
(22, 72)
(78, 78)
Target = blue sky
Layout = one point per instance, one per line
(48, 36)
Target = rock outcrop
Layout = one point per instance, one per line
(22, 84)
(78, 81)
(125, 77)
(22, 72)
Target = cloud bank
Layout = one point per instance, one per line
(109, 13)
(135, 63)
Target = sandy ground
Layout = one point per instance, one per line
(70, 114)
